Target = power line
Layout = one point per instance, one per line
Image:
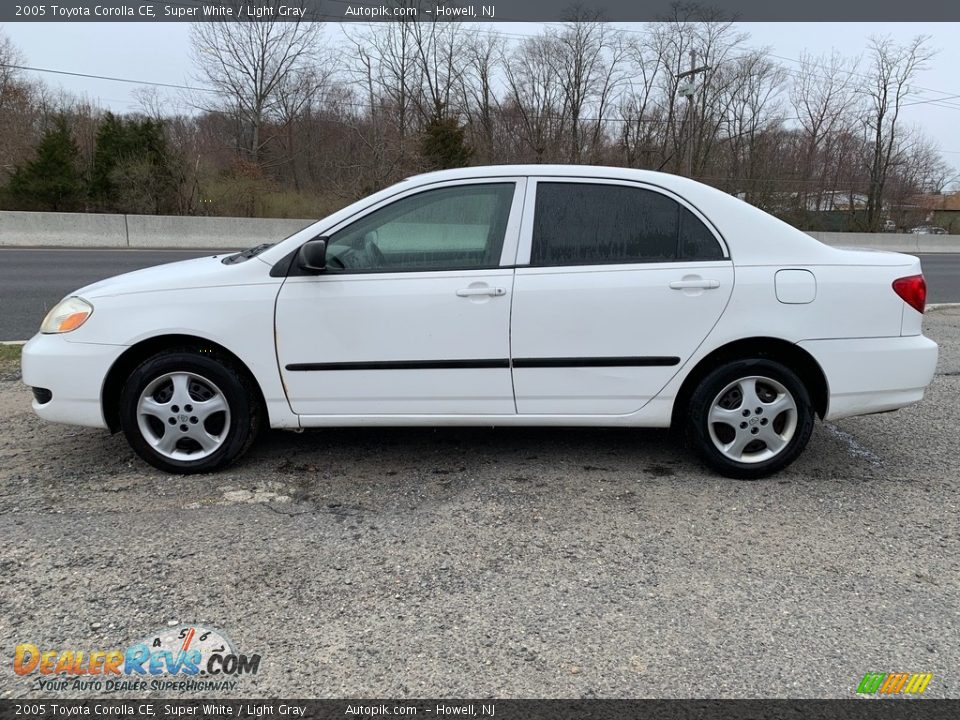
(335, 103)
(107, 77)
(937, 102)
(322, 17)
(934, 101)
(950, 93)
(340, 20)
(339, 103)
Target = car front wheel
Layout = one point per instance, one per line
(188, 412)
(750, 418)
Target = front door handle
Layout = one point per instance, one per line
(695, 284)
(474, 291)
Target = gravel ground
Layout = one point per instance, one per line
(504, 563)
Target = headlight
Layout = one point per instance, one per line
(67, 315)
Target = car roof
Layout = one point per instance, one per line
(535, 169)
(591, 171)
(687, 188)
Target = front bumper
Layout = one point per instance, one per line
(871, 375)
(73, 373)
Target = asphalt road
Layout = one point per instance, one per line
(511, 562)
(942, 272)
(32, 280)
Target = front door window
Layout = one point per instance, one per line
(452, 228)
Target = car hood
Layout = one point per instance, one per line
(197, 273)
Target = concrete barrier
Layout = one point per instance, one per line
(895, 242)
(173, 231)
(88, 230)
(50, 229)
(938, 243)
(92, 230)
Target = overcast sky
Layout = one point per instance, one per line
(159, 52)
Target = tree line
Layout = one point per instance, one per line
(297, 119)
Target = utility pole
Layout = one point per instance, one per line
(686, 89)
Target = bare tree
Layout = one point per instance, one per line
(918, 179)
(893, 69)
(640, 110)
(694, 37)
(718, 46)
(297, 96)
(753, 119)
(478, 89)
(586, 58)
(534, 97)
(152, 103)
(20, 101)
(440, 49)
(11, 82)
(252, 65)
(824, 98)
(388, 79)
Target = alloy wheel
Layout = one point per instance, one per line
(183, 416)
(752, 419)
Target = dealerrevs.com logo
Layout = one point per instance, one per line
(184, 658)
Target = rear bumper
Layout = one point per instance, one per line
(871, 375)
(72, 373)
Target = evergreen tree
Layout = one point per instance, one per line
(51, 181)
(444, 144)
(131, 166)
(111, 146)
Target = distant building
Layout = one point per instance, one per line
(830, 200)
(940, 209)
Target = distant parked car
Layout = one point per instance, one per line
(928, 230)
(889, 226)
(509, 295)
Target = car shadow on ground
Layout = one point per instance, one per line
(584, 449)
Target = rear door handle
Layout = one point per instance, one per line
(697, 284)
(474, 291)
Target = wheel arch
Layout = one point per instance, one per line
(137, 353)
(770, 348)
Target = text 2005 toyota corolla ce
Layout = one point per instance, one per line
(510, 295)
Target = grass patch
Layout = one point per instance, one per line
(10, 358)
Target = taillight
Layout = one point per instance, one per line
(913, 290)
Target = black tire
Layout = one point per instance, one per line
(703, 401)
(238, 425)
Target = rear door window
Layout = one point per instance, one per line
(602, 224)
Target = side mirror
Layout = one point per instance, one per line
(313, 256)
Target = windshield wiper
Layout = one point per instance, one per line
(246, 254)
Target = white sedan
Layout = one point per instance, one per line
(509, 295)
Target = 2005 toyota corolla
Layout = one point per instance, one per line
(511, 295)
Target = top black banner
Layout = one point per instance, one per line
(479, 709)
(470, 11)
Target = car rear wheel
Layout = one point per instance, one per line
(188, 412)
(750, 418)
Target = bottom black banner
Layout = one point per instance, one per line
(874, 709)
